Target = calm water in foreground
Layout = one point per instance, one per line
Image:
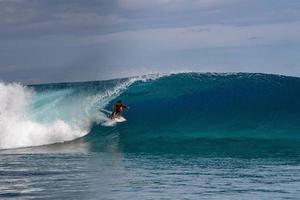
(73, 171)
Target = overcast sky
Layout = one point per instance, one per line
(75, 40)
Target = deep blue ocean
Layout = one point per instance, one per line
(187, 136)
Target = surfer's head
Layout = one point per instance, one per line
(119, 101)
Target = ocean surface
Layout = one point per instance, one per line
(187, 136)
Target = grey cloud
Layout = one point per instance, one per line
(61, 40)
(16, 12)
(34, 18)
(174, 5)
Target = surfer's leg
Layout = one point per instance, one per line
(117, 114)
(112, 116)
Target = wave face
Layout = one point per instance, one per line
(172, 108)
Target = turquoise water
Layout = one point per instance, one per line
(187, 136)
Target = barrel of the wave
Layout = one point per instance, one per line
(195, 106)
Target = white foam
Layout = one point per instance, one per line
(17, 129)
(24, 124)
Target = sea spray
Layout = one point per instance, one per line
(55, 113)
(31, 118)
(17, 129)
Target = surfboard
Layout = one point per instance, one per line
(119, 119)
(116, 119)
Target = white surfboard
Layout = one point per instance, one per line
(116, 119)
(119, 119)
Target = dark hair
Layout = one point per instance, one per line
(119, 101)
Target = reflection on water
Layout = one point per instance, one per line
(112, 175)
(107, 167)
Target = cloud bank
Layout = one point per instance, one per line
(53, 40)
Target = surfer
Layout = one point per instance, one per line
(118, 107)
